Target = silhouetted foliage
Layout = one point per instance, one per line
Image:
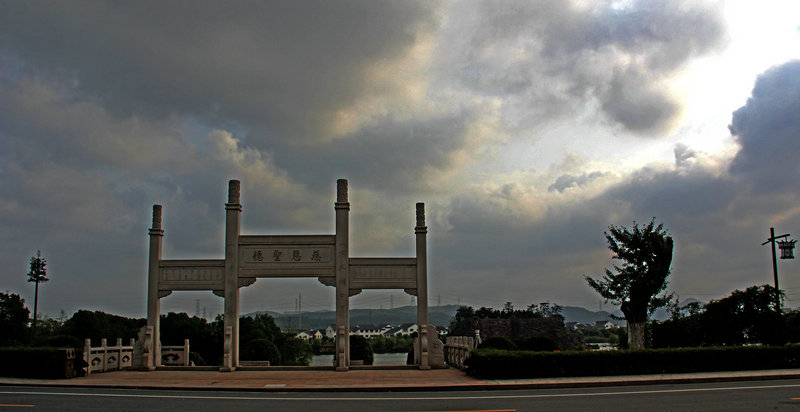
(638, 284)
(360, 349)
(205, 339)
(463, 323)
(391, 344)
(744, 317)
(13, 319)
(498, 342)
(260, 350)
(97, 325)
(538, 343)
(295, 351)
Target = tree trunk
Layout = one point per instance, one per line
(636, 334)
(35, 305)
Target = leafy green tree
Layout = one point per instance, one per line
(13, 319)
(749, 316)
(260, 350)
(295, 351)
(97, 325)
(205, 343)
(462, 322)
(498, 342)
(37, 274)
(744, 317)
(638, 284)
(360, 349)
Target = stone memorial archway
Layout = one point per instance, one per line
(326, 257)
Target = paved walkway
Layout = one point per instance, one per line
(369, 380)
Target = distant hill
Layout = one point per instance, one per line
(437, 315)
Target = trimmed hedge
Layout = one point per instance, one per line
(26, 362)
(498, 364)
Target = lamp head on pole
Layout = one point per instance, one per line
(787, 248)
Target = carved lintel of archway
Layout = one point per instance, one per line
(354, 292)
(327, 280)
(220, 293)
(412, 292)
(164, 293)
(244, 282)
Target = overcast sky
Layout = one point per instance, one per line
(527, 127)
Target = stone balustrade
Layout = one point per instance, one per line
(107, 358)
(458, 348)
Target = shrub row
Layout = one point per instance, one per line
(26, 362)
(498, 364)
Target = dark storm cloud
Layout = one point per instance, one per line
(553, 54)
(389, 153)
(109, 107)
(567, 181)
(766, 128)
(277, 66)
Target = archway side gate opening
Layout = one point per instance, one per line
(326, 257)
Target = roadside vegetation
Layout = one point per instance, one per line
(260, 338)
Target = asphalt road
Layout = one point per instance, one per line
(731, 396)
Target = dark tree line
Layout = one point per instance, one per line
(745, 317)
(463, 322)
(260, 336)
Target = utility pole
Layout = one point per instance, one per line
(300, 311)
(786, 253)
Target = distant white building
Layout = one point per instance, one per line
(605, 324)
(310, 334)
(404, 329)
(305, 335)
(369, 331)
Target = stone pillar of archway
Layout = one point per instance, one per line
(233, 211)
(342, 208)
(153, 298)
(421, 232)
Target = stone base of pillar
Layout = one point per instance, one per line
(342, 369)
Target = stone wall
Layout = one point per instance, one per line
(520, 329)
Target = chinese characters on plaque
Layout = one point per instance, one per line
(288, 255)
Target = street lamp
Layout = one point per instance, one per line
(787, 252)
(787, 248)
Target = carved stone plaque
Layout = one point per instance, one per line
(272, 256)
(383, 273)
(191, 274)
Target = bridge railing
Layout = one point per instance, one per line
(458, 348)
(107, 358)
(175, 355)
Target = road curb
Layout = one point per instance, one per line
(581, 382)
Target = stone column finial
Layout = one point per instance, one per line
(156, 216)
(341, 191)
(233, 191)
(420, 214)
